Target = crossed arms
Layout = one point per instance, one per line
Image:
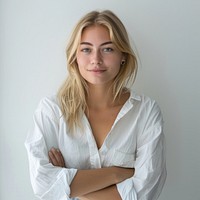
(94, 184)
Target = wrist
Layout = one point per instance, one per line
(122, 174)
(117, 175)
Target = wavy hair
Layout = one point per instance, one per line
(72, 94)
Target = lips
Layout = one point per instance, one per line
(96, 70)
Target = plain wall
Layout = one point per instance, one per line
(33, 36)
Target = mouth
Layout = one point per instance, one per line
(96, 70)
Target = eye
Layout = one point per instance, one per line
(86, 50)
(108, 49)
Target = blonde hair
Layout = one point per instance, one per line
(72, 94)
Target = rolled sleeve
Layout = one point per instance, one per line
(48, 182)
(60, 189)
(126, 190)
(150, 168)
(150, 164)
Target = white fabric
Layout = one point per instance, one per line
(136, 140)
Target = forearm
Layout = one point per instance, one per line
(110, 193)
(92, 180)
(88, 181)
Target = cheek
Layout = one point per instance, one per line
(115, 65)
(81, 66)
(78, 60)
(81, 62)
(114, 60)
(117, 69)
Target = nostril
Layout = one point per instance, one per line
(96, 62)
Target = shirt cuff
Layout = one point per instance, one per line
(61, 188)
(126, 190)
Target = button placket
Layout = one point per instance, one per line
(93, 149)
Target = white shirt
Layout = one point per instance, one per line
(136, 140)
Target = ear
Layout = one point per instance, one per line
(123, 60)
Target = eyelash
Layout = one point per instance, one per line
(86, 50)
(106, 50)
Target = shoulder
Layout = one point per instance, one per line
(49, 105)
(148, 106)
(142, 99)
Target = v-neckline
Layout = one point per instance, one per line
(124, 109)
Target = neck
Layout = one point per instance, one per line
(99, 97)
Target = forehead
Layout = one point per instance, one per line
(95, 33)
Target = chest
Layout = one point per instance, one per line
(101, 122)
(94, 148)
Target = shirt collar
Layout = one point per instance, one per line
(134, 96)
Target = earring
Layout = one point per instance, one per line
(123, 62)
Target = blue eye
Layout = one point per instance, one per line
(108, 49)
(86, 50)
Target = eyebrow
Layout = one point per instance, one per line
(88, 43)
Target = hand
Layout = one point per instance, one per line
(56, 158)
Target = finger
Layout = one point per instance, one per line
(57, 158)
(62, 159)
(52, 158)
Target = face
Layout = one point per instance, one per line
(97, 57)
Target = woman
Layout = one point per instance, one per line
(97, 139)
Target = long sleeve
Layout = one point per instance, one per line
(48, 182)
(150, 166)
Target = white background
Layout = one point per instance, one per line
(33, 36)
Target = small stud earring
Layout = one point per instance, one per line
(123, 62)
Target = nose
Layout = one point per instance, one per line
(96, 58)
